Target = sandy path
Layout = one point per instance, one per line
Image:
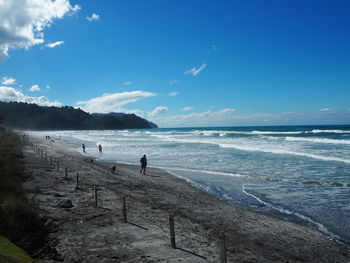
(86, 233)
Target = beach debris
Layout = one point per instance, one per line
(65, 203)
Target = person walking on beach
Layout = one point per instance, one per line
(143, 162)
(83, 145)
(99, 149)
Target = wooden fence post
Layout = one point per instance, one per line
(172, 231)
(223, 258)
(50, 160)
(77, 186)
(58, 166)
(95, 191)
(66, 172)
(124, 210)
(45, 157)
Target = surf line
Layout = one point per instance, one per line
(318, 225)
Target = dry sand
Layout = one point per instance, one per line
(85, 233)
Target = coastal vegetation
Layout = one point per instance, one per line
(22, 115)
(10, 253)
(19, 218)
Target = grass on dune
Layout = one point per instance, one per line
(10, 253)
(19, 218)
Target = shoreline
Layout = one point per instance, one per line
(251, 236)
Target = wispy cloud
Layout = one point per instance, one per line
(112, 102)
(214, 48)
(8, 81)
(207, 118)
(93, 17)
(172, 82)
(47, 87)
(325, 109)
(8, 94)
(229, 117)
(22, 23)
(194, 71)
(173, 93)
(158, 110)
(127, 83)
(54, 44)
(186, 109)
(34, 88)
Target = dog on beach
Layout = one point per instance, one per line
(113, 169)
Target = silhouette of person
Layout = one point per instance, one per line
(83, 145)
(143, 162)
(99, 149)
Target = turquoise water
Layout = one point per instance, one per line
(299, 173)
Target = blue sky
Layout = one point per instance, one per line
(181, 63)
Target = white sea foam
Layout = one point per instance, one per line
(328, 131)
(224, 133)
(204, 171)
(193, 183)
(318, 225)
(318, 140)
(252, 146)
(276, 132)
(267, 149)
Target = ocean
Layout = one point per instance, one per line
(297, 173)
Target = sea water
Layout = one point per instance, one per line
(298, 173)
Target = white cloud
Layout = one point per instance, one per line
(34, 88)
(158, 110)
(186, 109)
(23, 21)
(93, 17)
(127, 83)
(112, 102)
(229, 117)
(195, 71)
(8, 81)
(325, 109)
(173, 93)
(8, 94)
(226, 111)
(47, 87)
(214, 47)
(207, 118)
(54, 44)
(172, 82)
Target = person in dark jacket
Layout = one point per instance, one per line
(143, 162)
(83, 145)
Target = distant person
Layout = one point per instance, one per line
(99, 149)
(114, 167)
(143, 162)
(83, 145)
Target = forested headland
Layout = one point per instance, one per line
(20, 115)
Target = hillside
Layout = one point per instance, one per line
(21, 115)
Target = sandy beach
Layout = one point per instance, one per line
(86, 233)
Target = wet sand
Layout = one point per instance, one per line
(85, 233)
